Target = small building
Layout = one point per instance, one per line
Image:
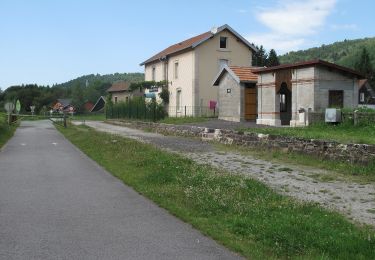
(63, 105)
(366, 95)
(237, 100)
(121, 91)
(99, 105)
(286, 92)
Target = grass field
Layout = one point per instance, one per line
(240, 213)
(344, 133)
(6, 132)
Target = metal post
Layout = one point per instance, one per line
(64, 120)
(185, 111)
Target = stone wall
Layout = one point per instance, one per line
(354, 153)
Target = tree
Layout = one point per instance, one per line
(78, 99)
(272, 59)
(364, 65)
(260, 57)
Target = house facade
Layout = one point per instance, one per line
(237, 93)
(121, 91)
(287, 91)
(189, 67)
(63, 105)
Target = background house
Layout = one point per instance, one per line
(99, 105)
(63, 105)
(190, 66)
(366, 94)
(237, 98)
(121, 91)
(286, 90)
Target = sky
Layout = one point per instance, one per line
(52, 41)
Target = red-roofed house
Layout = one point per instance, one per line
(237, 93)
(121, 91)
(190, 66)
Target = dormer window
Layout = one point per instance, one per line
(223, 42)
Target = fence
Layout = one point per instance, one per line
(192, 111)
(354, 118)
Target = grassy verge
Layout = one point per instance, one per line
(242, 214)
(6, 132)
(344, 133)
(183, 120)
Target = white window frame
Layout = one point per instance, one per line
(361, 97)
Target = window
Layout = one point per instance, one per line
(178, 99)
(283, 107)
(362, 97)
(176, 70)
(115, 100)
(336, 98)
(223, 42)
(153, 73)
(223, 62)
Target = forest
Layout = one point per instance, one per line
(80, 90)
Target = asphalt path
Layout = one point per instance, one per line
(56, 203)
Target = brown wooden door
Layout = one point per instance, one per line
(250, 103)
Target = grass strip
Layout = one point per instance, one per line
(344, 133)
(242, 214)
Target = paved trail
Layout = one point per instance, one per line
(55, 203)
(357, 201)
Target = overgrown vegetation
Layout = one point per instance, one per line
(240, 213)
(135, 108)
(6, 132)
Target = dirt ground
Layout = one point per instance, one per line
(354, 200)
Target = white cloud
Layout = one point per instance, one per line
(290, 22)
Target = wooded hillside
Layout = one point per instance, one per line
(346, 53)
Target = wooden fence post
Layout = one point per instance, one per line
(355, 117)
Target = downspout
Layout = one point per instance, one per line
(295, 112)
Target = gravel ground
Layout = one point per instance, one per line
(354, 200)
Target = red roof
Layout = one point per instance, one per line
(179, 47)
(119, 86)
(310, 63)
(195, 41)
(245, 73)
